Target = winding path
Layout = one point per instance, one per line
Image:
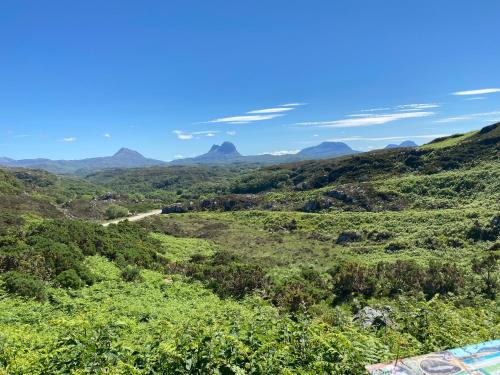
(133, 218)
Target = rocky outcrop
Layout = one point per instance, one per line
(370, 317)
(176, 208)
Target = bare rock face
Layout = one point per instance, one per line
(370, 317)
(340, 195)
(109, 196)
(176, 208)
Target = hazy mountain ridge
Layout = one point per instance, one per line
(226, 153)
(124, 158)
(328, 149)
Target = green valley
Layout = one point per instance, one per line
(311, 267)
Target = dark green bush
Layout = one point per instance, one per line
(443, 278)
(487, 267)
(353, 279)
(226, 275)
(69, 279)
(131, 273)
(488, 232)
(24, 285)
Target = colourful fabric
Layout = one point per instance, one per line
(480, 359)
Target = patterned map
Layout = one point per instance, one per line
(479, 359)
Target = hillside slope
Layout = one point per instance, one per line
(481, 146)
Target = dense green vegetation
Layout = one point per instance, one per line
(171, 183)
(41, 193)
(304, 268)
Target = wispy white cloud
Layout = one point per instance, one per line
(417, 106)
(107, 135)
(69, 139)
(21, 136)
(369, 120)
(231, 132)
(293, 104)
(358, 115)
(477, 92)
(208, 133)
(280, 153)
(272, 110)
(389, 138)
(182, 135)
(495, 115)
(257, 115)
(452, 119)
(402, 107)
(244, 119)
(476, 98)
(375, 109)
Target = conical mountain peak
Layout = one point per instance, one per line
(127, 153)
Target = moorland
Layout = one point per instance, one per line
(307, 267)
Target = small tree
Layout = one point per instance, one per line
(487, 268)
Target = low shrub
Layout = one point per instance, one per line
(114, 211)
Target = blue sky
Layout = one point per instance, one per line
(170, 78)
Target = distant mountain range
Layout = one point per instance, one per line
(226, 153)
(402, 144)
(124, 158)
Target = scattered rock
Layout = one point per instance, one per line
(229, 203)
(317, 205)
(301, 186)
(370, 317)
(109, 196)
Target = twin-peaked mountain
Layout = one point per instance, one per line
(402, 144)
(226, 153)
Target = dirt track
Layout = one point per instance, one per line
(133, 218)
